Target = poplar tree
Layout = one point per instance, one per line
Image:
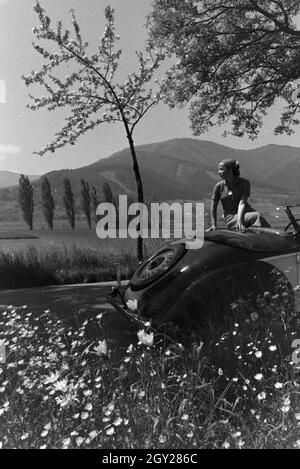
(47, 202)
(69, 204)
(25, 199)
(86, 200)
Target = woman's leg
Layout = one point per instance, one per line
(231, 221)
(255, 219)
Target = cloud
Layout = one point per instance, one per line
(7, 150)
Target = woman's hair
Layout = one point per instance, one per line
(233, 165)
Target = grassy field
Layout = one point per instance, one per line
(64, 256)
(63, 387)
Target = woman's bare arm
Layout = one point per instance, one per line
(241, 211)
(213, 214)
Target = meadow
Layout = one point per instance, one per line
(44, 257)
(62, 386)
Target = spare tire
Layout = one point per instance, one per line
(152, 269)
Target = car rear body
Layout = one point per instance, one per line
(180, 282)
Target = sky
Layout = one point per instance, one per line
(23, 131)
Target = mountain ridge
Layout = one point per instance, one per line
(180, 168)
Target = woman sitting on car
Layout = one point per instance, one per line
(233, 192)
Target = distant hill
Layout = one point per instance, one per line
(8, 178)
(183, 169)
(187, 169)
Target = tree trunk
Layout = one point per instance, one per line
(140, 192)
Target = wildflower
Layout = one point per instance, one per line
(236, 435)
(65, 400)
(146, 339)
(273, 348)
(185, 417)
(79, 441)
(66, 442)
(258, 377)
(297, 416)
(93, 434)
(297, 444)
(52, 378)
(84, 415)
(258, 354)
(117, 422)
(261, 396)
(52, 356)
(61, 385)
(24, 436)
(226, 444)
(87, 393)
(44, 433)
(101, 348)
(162, 439)
(220, 372)
(88, 407)
(132, 305)
(278, 385)
(43, 447)
(110, 431)
(285, 409)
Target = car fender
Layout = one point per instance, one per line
(213, 293)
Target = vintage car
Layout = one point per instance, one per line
(178, 284)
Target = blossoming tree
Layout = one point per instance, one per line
(92, 93)
(235, 60)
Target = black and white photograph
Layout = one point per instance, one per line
(149, 227)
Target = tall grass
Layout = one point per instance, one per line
(67, 387)
(64, 264)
